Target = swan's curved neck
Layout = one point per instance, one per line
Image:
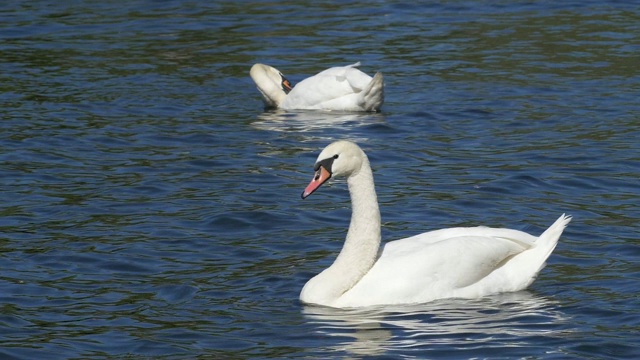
(360, 249)
(269, 84)
(363, 238)
(272, 95)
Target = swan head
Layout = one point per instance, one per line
(271, 83)
(341, 158)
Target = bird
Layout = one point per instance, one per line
(459, 262)
(343, 88)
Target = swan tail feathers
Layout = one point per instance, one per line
(523, 269)
(546, 243)
(373, 95)
(549, 238)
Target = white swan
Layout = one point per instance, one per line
(339, 88)
(456, 262)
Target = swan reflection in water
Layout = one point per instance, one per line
(502, 320)
(309, 120)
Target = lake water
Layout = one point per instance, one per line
(151, 207)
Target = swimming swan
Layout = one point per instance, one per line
(463, 262)
(339, 88)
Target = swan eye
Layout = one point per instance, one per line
(327, 164)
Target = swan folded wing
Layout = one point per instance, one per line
(326, 87)
(434, 236)
(355, 79)
(337, 88)
(344, 71)
(423, 273)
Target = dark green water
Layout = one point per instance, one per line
(150, 206)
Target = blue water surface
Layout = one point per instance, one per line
(151, 206)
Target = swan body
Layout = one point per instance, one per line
(463, 262)
(342, 88)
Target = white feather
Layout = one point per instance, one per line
(463, 262)
(342, 88)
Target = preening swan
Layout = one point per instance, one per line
(458, 262)
(339, 88)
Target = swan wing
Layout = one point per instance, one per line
(338, 88)
(412, 272)
(449, 233)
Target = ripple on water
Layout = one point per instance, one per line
(151, 206)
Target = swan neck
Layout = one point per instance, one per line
(269, 86)
(360, 249)
(365, 213)
(361, 246)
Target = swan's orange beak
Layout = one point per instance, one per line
(286, 85)
(319, 178)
